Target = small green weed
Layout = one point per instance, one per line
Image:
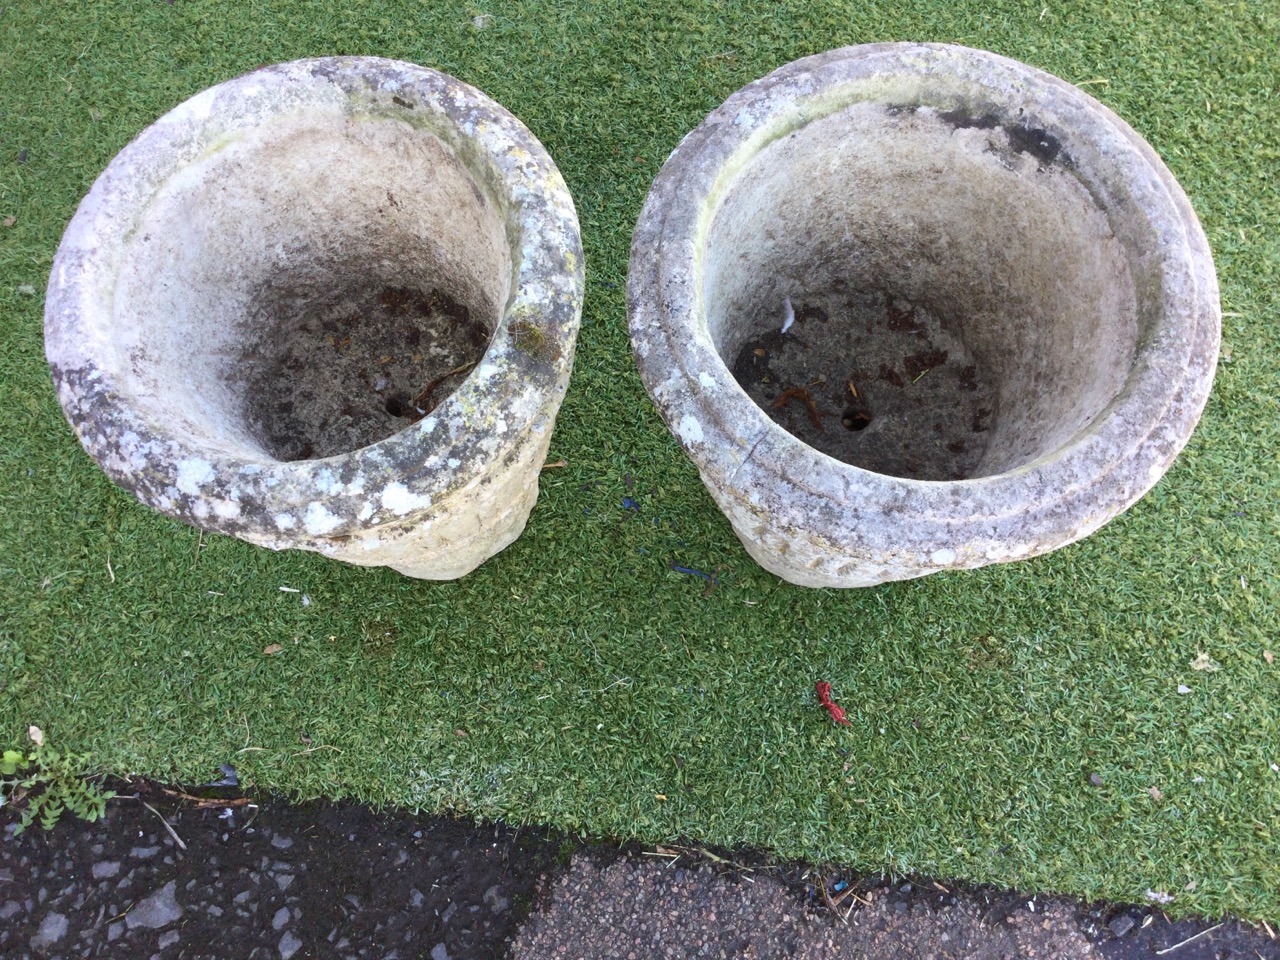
(56, 783)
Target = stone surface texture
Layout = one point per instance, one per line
(264, 222)
(1001, 314)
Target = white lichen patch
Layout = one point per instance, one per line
(689, 429)
(193, 475)
(482, 374)
(400, 500)
(226, 509)
(284, 521)
(318, 520)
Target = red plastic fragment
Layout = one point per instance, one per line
(824, 698)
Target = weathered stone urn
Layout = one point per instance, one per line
(328, 305)
(913, 308)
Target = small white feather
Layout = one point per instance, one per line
(788, 315)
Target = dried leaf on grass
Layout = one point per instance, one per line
(1205, 662)
(273, 648)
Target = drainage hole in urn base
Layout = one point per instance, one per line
(358, 367)
(872, 380)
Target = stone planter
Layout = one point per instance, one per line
(329, 305)
(1001, 313)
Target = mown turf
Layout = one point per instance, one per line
(575, 679)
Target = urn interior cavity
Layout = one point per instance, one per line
(311, 286)
(959, 303)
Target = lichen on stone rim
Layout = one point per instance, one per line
(505, 408)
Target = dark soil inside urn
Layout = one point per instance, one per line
(357, 368)
(874, 381)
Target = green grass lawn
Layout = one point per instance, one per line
(575, 679)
